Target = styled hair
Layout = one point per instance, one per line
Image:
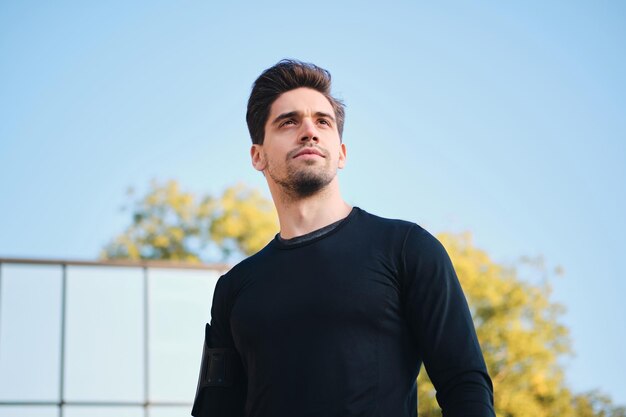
(287, 75)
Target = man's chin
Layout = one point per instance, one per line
(307, 161)
(304, 183)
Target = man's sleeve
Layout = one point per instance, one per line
(441, 323)
(222, 381)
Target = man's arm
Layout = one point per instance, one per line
(441, 323)
(221, 388)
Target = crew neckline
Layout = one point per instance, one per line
(317, 234)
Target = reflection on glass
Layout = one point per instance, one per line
(83, 411)
(180, 303)
(39, 411)
(104, 342)
(30, 327)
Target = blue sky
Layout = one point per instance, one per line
(505, 120)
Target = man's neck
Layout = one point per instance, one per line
(299, 216)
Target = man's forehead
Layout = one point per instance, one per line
(301, 100)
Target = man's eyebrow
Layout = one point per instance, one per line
(322, 114)
(291, 114)
(284, 116)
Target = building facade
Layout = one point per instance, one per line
(101, 338)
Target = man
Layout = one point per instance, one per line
(334, 317)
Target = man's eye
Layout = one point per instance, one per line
(288, 122)
(324, 122)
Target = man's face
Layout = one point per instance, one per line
(302, 150)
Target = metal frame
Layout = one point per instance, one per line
(145, 266)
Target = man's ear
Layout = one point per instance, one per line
(258, 159)
(342, 156)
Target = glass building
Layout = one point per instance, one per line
(101, 338)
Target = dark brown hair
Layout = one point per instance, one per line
(287, 75)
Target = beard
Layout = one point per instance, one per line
(304, 181)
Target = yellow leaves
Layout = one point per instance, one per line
(518, 328)
(168, 223)
(205, 208)
(161, 241)
(244, 219)
(133, 251)
(232, 226)
(539, 384)
(177, 233)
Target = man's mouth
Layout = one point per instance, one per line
(309, 151)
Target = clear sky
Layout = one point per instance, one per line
(505, 120)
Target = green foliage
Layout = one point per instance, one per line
(521, 338)
(170, 224)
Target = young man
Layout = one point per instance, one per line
(334, 317)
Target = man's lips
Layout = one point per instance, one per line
(309, 151)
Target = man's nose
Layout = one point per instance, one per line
(309, 131)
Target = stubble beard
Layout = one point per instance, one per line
(302, 182)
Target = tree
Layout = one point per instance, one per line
(243, 221)
(170, 224)
(521, 338)
(595, 404)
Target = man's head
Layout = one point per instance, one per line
(285, 76)
(296, 126)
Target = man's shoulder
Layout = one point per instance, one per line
(386, 224)
(247, 266)
(411, 233)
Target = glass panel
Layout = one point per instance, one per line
(104, 354)
(30, 329)
(85, 411)
(28, 411)
(180, 303)
(169, 411)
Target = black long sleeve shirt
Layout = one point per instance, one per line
(339, 324)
